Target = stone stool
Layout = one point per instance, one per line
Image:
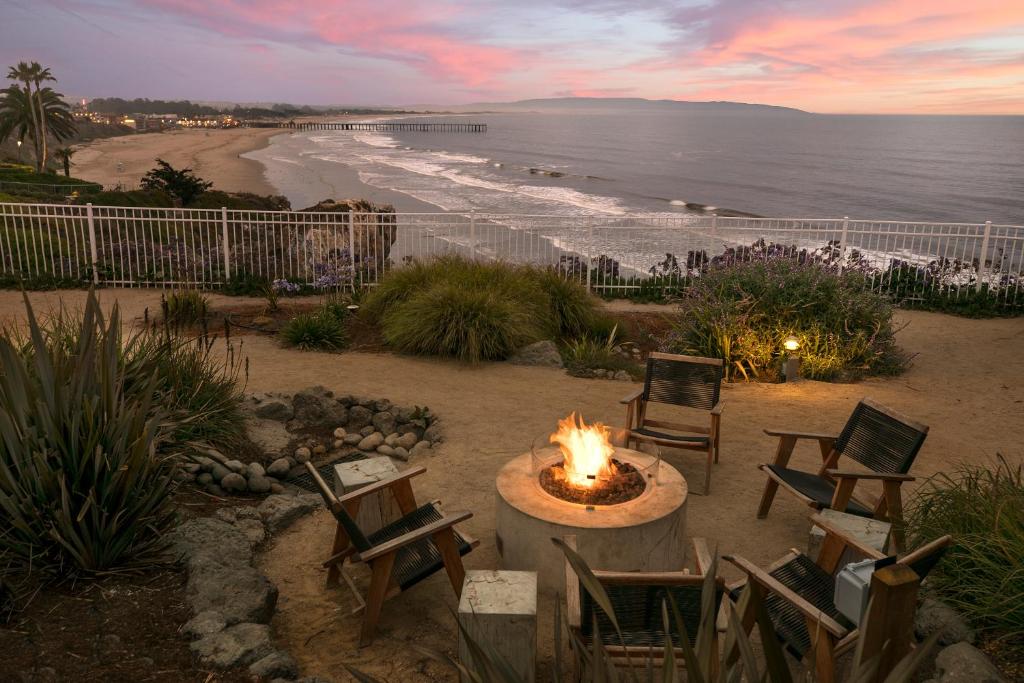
(870, 532)
(377, 509)
(499, 608)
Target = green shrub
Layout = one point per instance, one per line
(82, 488)
(743, 312)
(982, 575)
(476, 310)
(464, 323)
(185, 307)
(597, 353)
(316, 331)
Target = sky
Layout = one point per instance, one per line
(830, 56)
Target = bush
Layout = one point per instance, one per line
(82, 488)
(982, 575)
(185, 307)
(472, 310)
(316, 331)
(465, 323)
(597, 352)
(743, 312)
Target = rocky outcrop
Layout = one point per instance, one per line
(543, 354)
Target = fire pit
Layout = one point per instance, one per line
(626, 507)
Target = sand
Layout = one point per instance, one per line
(967, 383)
(212, 154)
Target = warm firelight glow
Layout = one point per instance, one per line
(586, 449)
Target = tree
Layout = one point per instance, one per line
(182, 184)
(25, 73)
(65, 154)
(18, 117)
(40, 74)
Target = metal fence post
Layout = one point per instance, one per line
(472, 232)
(226, 244)
(352, 246)
(983, 257)
(842, 244)
(92, 245)
(590, 244)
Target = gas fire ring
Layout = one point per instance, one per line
(643, 533)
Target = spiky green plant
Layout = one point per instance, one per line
(185, 307)
(315, 331)
(82, 487)
(982, 575)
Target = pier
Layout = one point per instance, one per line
(378, 127)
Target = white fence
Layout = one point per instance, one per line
(610, 253)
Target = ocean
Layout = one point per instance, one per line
(676, 164)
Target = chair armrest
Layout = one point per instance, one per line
(446, 522)
(845, 474)
(719, 407)
(701, 554)
(632, 397)
(849, 541)
(382, 484)
(801, 435)
(769, 583)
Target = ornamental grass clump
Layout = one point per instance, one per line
(982, 574)
(185, 307)
(83, 488)
(476, 310)
(742, 312)
(319, 330)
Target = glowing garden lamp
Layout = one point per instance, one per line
(791, 366)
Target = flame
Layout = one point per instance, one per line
(586, 449)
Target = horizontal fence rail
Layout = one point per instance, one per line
(611, 254)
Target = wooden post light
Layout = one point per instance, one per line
(890, 617)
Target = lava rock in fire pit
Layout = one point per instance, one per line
(627, 484)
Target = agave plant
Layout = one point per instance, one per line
(82, 488)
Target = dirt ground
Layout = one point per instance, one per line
(967, 383)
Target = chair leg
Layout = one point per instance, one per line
(707, 473)
(445, 542)
(824, 651)
(341, 542)
(894, 512)
(379, 582)
(782, 456)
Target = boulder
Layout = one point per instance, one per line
(274, 408)
(406, 441)
(277, 664)
(382, 405)
(339, 432)
(371, 442)
(391, 440)
(239, 592)
(623, 376)
(279, 468)
(384, 422)
(358, 417)
(255, 469)
(204, 479)
(367, 430)
(934, 616)
(543, 354)
(433, 433)
(219, 472)
(204, 623)
(384, 449)
(419, 449)
(319, 449)
(352, 439)
(207, 539)
(316, 407)
(234, 482)
(236, 466)
(400, 453)
(253, 529)
(303, 454)
(259, 484)
(268, 435)
(278, 512)
(964, 663)
(238, 645)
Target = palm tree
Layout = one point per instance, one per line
(19, 116)
(65, 154)
(26, 74)
(40, 74)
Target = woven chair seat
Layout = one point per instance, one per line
(638, 611)
(817, 488)
(688, 438)
(416, 561)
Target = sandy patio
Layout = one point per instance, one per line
(967, 383)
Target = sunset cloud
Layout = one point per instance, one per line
(837, 56)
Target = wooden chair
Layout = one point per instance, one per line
(798, 595)
(685, 381)
(636, 600)
(880, 439)
(400, 554)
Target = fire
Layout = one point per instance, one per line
(586, 449)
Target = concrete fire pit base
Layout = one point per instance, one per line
(644, 534)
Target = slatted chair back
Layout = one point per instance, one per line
(880, 439)
(355, 534)
(687, 381)
(637, 608)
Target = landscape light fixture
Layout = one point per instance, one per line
(791, 366)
